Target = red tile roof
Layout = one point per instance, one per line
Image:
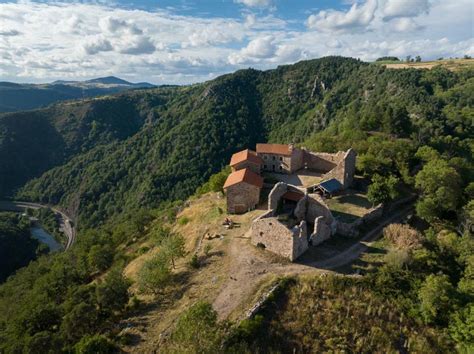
(244, 175)
(245, 155)
(277, 149)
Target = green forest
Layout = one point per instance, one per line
(123, 166)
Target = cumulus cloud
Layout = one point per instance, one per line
(254, 3)
(259, 48)
(405, 8)
(97, 45)
(358, 17)
(138, 45)
(405, 24)
(9, 33)
(81, 40)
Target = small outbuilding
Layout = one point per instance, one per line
(242, 189)
(329, 187)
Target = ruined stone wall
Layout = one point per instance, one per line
(321, 232)
(277, 238)
(352, 229)
(317, 207)
(242, 197)
(296, 160)
(300, 239)
(344, 170)
(320, 161)
(247, 164)
(275, 195)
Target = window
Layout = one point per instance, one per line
(273, 158)
(281, 168)
(264, 166)
(281, 158)
(264, 157)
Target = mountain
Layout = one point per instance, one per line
(101, 157)
(137, 277)
(18, 97)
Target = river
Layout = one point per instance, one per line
(42, 236)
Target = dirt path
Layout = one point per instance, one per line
(353, 252)
(233, 278)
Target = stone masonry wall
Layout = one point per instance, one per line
(321, 232)
(242, 195)
(279, 239)
(300, 239)
(275, 195)
(247, 164)
(297, 160)
(320, 161)
(344, 170)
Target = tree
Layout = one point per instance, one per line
(112, 294)
(382, 189)
(197, 330)
(408, 58)
(95, 344)
(461, 327)
(440, 186)
(436, 298)
(80, 321)
(100, 257)
(155, 274)
(173, 247)
(418, 59)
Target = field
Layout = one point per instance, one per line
(450, 64)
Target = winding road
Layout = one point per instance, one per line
(65, 222)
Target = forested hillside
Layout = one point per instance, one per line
(122, 164)
(115, 162)
(19, 97)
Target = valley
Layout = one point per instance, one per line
(140, 176)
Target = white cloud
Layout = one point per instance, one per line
(97, 45)
(405, 8)
(9, 33)
(405, 24)
(254, 3)
(42, 41)
(358, 17)
(259, 48)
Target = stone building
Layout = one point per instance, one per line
(246, 159)
(340, 165)
(242, 189)
(294, 221)
(281, 158)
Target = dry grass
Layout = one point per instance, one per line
(402, 236)
(349, 206)
(450, 64)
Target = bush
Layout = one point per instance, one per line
(197, 331)
(155, 274)
(194, 262)
(402, 236)
(96, 344)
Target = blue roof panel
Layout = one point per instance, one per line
(332, 185)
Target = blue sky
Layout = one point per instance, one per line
(186, 41)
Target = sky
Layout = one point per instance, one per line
(188, 41)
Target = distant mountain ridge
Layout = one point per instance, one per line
(18, 97)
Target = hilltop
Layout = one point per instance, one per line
(450, 64)
(19, 97)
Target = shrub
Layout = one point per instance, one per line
(402, 236)
(194, 262)
(96, 344)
